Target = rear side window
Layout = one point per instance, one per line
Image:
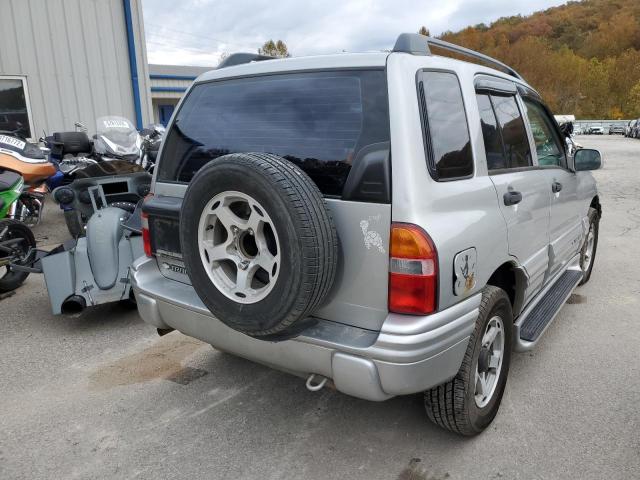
(319, 121)
(446, 131)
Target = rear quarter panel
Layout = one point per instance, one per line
(456, 214)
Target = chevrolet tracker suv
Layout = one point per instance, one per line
(384, 223)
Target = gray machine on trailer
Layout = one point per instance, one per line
(95, 269)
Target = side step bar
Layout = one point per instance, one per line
(537, 317)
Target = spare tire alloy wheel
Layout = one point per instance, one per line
(258, 243)
(239, 246)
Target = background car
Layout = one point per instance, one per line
(616, 130)
(596, 130)
(629, 128)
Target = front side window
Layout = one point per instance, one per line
(514, 135)
(496, 158)
(14, 111)
(548, 146)
(446, 132)
(318, 120)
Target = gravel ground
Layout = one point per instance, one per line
(100, 395)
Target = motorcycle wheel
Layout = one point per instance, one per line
(13, 230)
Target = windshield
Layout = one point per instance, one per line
(117, 130)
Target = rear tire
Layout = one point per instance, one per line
(458, 405)
(11, 279)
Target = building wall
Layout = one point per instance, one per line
(75, 56)
(168, 84)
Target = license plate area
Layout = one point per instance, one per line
(165, 236)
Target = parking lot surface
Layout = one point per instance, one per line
(100, 395)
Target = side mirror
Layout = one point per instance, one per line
(587, 159)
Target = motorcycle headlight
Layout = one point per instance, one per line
(64, 195)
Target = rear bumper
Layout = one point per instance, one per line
(408, 355)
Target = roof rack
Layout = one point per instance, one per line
(418, 44)
(243, 57)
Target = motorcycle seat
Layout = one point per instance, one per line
(8, 179)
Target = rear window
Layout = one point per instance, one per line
(319, 121)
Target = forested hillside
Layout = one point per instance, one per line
(583, 57)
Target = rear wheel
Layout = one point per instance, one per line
(469, 402)
(16, 239)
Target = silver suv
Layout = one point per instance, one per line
(384, 223)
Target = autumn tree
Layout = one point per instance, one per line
(583, 57)
(424, 31)
(274, 49)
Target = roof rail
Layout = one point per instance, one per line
(418, 44)
(243, 57)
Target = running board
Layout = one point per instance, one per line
(537, 317)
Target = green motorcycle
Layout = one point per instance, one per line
(17, 243)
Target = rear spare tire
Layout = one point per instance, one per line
(258, 242)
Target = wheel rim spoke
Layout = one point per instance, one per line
(494, 361)
(227, 218)
(216, 252)
(266, 261)
(244, 277)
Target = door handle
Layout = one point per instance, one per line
(512, 198)
(556, 187)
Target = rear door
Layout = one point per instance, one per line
(565, 228)
(334, 125)
(522, 189)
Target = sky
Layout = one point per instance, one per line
(197, 32)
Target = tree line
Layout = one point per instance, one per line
(583, 57)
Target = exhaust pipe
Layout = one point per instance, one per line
(73, 304)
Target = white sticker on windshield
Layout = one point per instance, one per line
(14, 142)
(116, 124)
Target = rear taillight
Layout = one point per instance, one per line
(413, 271)
(146, 237)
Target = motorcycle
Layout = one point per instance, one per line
(29, 161)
